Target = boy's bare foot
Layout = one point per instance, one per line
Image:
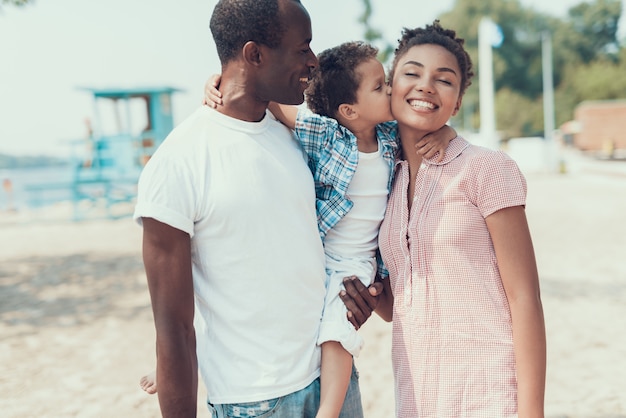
(148, 383)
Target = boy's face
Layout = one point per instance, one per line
(372, 97)
(426, 88)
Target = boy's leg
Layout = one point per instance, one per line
(148, 383)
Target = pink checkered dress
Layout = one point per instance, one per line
(452, 339)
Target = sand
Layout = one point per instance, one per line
(76, 330)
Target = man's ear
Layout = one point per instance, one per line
(346, 111)
(251, 53)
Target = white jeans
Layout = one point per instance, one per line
(335, 325)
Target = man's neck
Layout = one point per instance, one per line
(239, 101)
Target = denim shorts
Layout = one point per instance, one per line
(301, 404)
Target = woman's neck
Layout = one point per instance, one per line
(408, 139)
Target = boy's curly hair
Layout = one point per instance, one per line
(335, 80)
(437, 35)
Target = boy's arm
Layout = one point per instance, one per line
(286, 114)
(435, 142)
(212, 95)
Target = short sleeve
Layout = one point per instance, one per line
(314, 131)
(499, 183)
(166, 193)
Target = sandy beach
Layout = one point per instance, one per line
(76, 330)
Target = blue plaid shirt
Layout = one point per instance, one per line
(333, 158)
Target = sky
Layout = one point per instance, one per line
(50, 48)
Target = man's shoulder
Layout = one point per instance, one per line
(196, 119)
(183, 140)
(192, 123)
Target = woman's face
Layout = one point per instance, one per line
(426, 88)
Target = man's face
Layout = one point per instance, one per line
(286, 70)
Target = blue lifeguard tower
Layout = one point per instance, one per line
(108, 161)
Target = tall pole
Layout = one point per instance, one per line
(548, 86)
(552, 157)
(488, 135)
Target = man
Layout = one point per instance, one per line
(227, 205)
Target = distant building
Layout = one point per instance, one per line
(599, 126)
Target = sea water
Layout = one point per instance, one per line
(33, 187)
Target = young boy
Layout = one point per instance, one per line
(351, 141)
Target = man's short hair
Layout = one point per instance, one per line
(235, 22)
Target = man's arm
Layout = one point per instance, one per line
(167, 260)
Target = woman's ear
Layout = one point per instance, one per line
(458, 106)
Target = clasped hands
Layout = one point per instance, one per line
(360, 301)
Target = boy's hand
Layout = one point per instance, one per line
(212, 96)
(360, 300)
(436, 142)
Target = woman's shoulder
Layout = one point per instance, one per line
(484, 154)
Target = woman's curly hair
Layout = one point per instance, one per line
(437, 35)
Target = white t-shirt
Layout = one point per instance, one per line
(244, 193)
(356, 234)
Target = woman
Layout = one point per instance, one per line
(468, 328)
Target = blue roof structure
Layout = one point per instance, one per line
(110, 160)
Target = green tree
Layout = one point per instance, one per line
(595, 66)
(373, 35)
(596, 24)
(602, 79)
(517, 114)
(16, 2)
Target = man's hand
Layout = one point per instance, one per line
(360, 300)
